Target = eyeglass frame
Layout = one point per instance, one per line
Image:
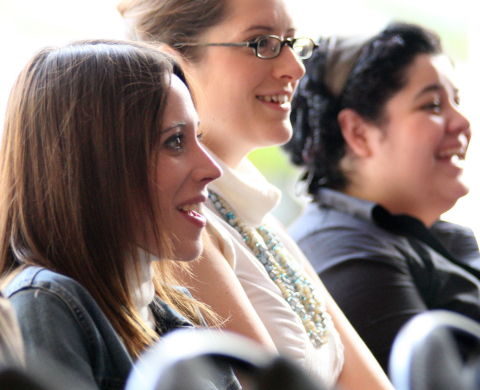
(254, 45)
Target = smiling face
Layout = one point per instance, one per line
(244, 101)
(182, 171)
(415, 163)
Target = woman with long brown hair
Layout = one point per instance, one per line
(102, 174)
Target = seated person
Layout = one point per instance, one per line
(379, 130)
(102, 178)
(245, 61)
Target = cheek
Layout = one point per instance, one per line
(166, 179)
(243, 75)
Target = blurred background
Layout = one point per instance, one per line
(28, 25)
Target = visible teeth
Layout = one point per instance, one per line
(274, 98)
(194, 206)
(282, 99)
(458, 152)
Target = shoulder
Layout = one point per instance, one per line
(61, 323)
(41, 278)
(335, 226)
(329, 237)
(455, 236)
(41, 297)
(37, 278)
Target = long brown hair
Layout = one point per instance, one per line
(173, 21)
(81, 129)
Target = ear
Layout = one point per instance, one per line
(355, 131)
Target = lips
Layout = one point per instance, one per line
(280, 98)
(456, 152)
(193, 212)
(193, 209)
(452, 152)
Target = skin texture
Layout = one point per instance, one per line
(181, 173)
(412, 164)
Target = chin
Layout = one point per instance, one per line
(188, 253)
(458, 191)
(279, 135)
(461, 189)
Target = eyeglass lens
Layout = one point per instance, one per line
(270, 47)
(303, 47)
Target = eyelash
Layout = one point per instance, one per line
(175, 142)
(435, 106)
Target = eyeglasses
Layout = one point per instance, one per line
(269, 46)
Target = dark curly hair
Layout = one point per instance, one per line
(369, 72)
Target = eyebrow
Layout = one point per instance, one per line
(266, 28)
(434, 88)
(429, 88)
(171, 127)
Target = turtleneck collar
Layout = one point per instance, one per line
(142, 288)
(246, 190)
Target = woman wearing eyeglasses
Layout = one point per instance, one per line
(245, 63)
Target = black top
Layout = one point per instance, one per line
(383, 269)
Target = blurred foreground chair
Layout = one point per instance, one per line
(189, 359)
(436, 350)
(14, 378)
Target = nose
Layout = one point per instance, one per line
(458, 122)
(288, 65)
(206, 169)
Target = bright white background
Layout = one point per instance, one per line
(27, 25)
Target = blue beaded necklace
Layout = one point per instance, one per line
(296, 288)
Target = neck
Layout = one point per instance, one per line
(226, 151)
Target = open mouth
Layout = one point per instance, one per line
(454, 153)
(193, 210)
(280, 99)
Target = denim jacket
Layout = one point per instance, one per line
(63, 327)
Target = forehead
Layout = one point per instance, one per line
(180, 105)
(429, 69)
(247, 14)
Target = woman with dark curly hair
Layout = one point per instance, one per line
(380, 133)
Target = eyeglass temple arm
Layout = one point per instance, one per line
(247, 44)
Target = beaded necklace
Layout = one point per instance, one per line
(296, 288)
